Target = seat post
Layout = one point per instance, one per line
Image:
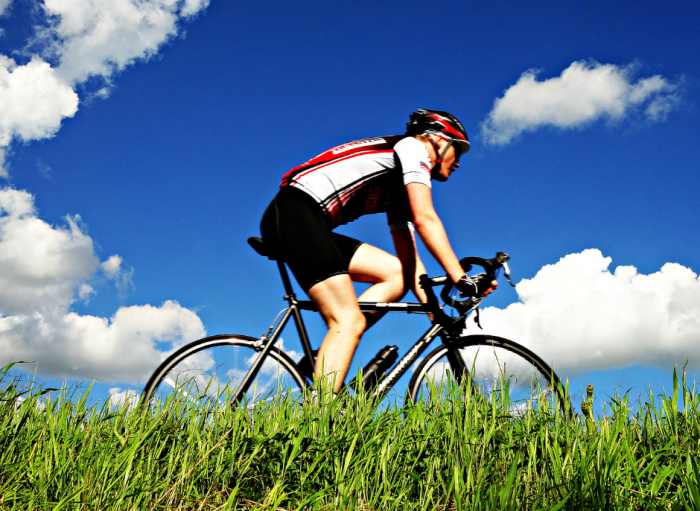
(285, 278)
(292, 299)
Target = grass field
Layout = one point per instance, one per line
(456, 453)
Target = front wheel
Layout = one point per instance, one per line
(209, 370)
(493, 364)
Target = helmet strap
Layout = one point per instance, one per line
(439, 156)
(447, 148)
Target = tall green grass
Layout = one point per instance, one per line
(455, 452)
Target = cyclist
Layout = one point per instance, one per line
(389, 175)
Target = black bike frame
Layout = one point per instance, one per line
(268, 340)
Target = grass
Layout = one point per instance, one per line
(458, 452)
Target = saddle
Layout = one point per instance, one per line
(259, 246)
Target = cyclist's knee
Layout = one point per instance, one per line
(395, 274)
(351, 322)
(356, 323)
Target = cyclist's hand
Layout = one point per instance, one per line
(476, 285)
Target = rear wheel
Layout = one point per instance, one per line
(493, 364)
(211, 369)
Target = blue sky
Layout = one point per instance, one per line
(166, 126)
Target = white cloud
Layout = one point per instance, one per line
(85, 291)
(87, 38)
(99, 37)
(43, 271)
(119, 397)
(112, 266)
(579, 315)
(193, 7)
(123, 279)
(40, 265)
(584, 92)
(33, 102)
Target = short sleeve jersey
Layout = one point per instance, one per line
(363, 177)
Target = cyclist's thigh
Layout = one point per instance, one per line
(336, 300)
(295, 226)
(372, 264)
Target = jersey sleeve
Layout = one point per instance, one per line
(398, 220)
(415, 161)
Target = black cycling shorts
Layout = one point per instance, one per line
(295, 230)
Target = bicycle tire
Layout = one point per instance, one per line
(484, 356)
(199, 365)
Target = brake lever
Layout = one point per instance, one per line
(476, 317)
(490, 265)
(506, 272)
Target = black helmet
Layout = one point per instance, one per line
(427, 122)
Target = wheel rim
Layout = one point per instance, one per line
(210, 373)
(517, 380)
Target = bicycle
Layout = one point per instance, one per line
(252, 369)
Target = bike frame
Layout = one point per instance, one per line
(267, 341)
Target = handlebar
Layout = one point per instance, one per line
(490, 266)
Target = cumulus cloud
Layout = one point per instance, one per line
(100, 37)
(86, 38)
(39, 265)
(580, 315)
(43, 271)
(584, 92)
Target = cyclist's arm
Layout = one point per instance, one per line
(405, 246)
(431, 231)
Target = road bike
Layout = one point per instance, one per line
(248, 370)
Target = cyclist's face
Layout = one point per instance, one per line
(449, 164)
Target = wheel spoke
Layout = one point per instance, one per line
(211, 370)
(498, 369)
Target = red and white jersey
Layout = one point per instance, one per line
(363, 177)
